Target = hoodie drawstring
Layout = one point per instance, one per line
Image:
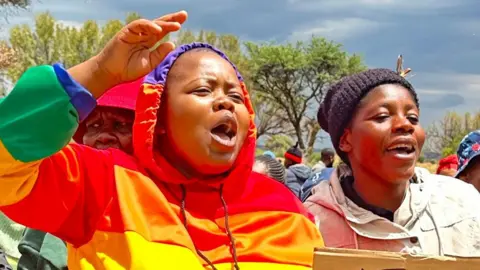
(227, 228)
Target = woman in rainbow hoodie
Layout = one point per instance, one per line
(108, 126)
(186, 199)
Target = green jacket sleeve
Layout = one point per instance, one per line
(42, 251)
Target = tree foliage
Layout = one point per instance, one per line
(445, 135)
(294, 77)
(8, 7)
(50, 42)
(286, 81)
(15, 3)
(7, 55)
(229, 44)
(268, 117)
(7, 58)
(279, 144)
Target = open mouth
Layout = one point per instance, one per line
(402, 149)
(225, 132)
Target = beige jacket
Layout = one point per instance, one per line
(439, 216)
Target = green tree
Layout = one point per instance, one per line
(109, 30)
(314, 158)
(7, 58)
(279, 144)
(229, 44)
(186, 36)
(445, 135)
(50, 42)
(9, 7)
(268, 117)
(132, 16)
(294, 77)
(15, 3)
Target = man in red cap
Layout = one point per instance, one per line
(108, 126)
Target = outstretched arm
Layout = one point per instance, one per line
(44, 182)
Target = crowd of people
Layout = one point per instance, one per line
(144, 158)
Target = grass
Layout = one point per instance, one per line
(432, 167)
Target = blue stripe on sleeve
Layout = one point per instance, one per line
(81, 98)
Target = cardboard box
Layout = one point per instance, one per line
(347, 259)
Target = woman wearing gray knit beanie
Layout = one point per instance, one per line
(270, 167)
(380, 200)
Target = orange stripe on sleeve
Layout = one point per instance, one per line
(71, 190)
(16, 178)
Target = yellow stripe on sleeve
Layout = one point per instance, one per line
(16, 178)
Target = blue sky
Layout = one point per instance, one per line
(440, 39)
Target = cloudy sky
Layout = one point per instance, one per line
(440, 39)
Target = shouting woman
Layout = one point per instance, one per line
(382, 201)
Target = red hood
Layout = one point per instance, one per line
(148, 105)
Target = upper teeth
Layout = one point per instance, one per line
(409, 147)
(228, 128)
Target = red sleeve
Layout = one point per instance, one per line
(70, 194)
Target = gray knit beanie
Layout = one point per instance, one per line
(337, 109)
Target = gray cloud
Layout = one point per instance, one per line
(447, 101)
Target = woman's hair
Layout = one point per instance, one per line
(273, 168)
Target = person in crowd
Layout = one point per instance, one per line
(10, 235)
(297, 172)
(315, 179)
(318, 167)
(293, 156)
(270, 167)
(381, 201)
(328, 157)
(468, 160)
(108, 126)
(186, 199)
(448, 165)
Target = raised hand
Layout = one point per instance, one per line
(129, 54)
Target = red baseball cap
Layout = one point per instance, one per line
(448, 163)
(122, 96)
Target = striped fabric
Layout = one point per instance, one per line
(122, 212)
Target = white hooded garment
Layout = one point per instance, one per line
(439, 216)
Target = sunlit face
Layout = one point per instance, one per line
(109, 128)
(203, 114)
(448, 172)
(385, 137)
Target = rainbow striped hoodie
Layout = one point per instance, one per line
(138, 212)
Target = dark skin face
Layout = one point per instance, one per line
(448, 172)
(386, 118)
(471, 174)
(327, 159)
(203, 91)
(109, 128)
(287, 163)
